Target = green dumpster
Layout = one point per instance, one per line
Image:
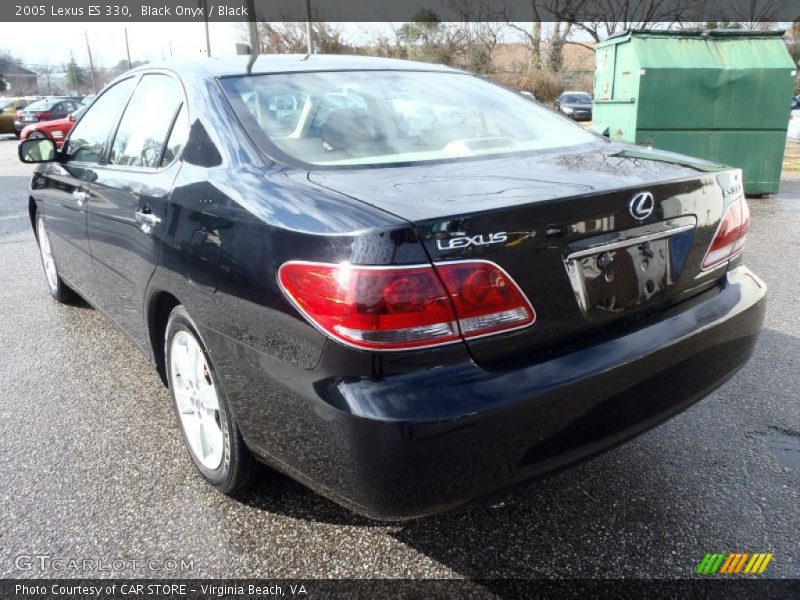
(719, 95)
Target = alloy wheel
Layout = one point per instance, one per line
(47, 256)
(197, 400)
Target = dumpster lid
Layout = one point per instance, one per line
(696, 33)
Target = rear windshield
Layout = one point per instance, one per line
(577, 98)
(46, 104)
(381, 117)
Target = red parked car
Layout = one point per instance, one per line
(57, 130)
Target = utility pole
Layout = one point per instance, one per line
(128, 49)
(309, 28)
(91, 62)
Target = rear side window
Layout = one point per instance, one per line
(42, 105)
(177, 137)
(145, 125)
(89, 137)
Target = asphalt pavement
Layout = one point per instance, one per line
(92, 465)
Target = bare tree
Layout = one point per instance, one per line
(757, 15)
(6, 56)
(558, 39)
(483, 21)
(533, 38)
(603, 18)
(793, 41)
(429, 39)
(546, 43)
(289, 37)
(536, 44)
(45, 72)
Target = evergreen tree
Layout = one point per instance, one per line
(75, 78)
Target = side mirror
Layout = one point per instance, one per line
(40, 150)
(71, 117)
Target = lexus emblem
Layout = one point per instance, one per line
(641, 205)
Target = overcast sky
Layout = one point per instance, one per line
(51, 43)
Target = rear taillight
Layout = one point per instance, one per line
(403, 308)
(43, 116)
(17, 116)
(485, 298)
(731, 234)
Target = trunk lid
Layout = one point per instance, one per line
(593, 237)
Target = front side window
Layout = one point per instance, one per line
(89, 137)
(379, 117)
(145, 125)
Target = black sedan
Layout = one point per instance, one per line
(48, 109)
(576, 105)
(400, 284)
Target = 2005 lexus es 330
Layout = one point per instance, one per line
(402, 285)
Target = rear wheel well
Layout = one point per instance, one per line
(161, 306)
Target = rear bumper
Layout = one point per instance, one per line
(387, 453)
(20, 125)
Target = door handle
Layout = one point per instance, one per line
(147, 220)
(80, 196)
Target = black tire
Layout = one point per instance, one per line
(17, 134)
(59, 290)
(36, 135)
(236, 469)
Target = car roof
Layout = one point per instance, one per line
(290, 63)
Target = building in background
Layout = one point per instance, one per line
(18, 80)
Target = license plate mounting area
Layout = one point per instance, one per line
(628, 271)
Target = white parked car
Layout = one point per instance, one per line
(794, 125)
